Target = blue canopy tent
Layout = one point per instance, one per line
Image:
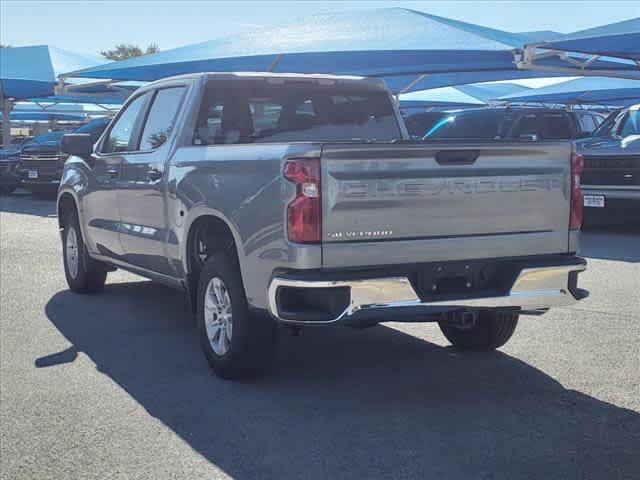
(581, 51)
(411, 50)
(588, 90)
(33, 71)
(44, 116)
(621, 39)
(459, 96)
(47, 106)
(380, 42)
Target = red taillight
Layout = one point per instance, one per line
(304, 213)
(577, 200)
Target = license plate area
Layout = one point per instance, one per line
(459, 279)
(33, 174)
(594, 201)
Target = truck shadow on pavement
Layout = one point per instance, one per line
(340, 403)
(613, 243)
(27, 204)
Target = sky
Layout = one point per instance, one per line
(90, 26)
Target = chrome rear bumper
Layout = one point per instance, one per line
(534, 288)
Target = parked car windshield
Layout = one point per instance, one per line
(630, 124)
(471, 124)
(418, 124)
(294, 113)
(604, 129)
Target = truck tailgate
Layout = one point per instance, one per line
(405, 203)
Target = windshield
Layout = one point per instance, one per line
(294, 113)
(631, 124)
(479, 124)
(604, 129)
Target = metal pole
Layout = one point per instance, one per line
(7, 106)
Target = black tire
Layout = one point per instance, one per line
(7, 189)
(251, 347)
(492, 329)
(90, 275)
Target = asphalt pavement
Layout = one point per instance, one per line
(114, 386)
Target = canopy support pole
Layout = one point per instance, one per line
(526, 60)
(411, 84)
(275, 63)
(7, 106)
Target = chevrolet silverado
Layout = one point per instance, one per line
(300, 200)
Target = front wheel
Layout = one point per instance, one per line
(236, 342)
(491, 329)
(84, 275)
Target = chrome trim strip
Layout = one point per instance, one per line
(534, 288)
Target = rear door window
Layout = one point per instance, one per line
(586, 123)
(161, 117)
(295, 113)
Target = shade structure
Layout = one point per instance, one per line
(621, 39)
(588, 90)
(44, 116)
(75, 108)
(410, 83)
(381, 42)
(612, 50)
(459, 96)
(33, 71)
(94, 99)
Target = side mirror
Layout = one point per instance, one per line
(530, 137)
(78, 144)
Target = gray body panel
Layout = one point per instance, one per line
(396, 203)
(142, 224)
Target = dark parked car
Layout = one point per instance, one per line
(42, 160)
(421, 122)
(9, 158)
(611, 178)
(515, 122)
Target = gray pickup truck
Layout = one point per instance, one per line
(299, 200)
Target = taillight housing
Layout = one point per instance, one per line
(304, 214)
(577, 201)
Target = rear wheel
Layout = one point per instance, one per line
(7, 189)
(236, 342)
(491, 329)
(84, 275)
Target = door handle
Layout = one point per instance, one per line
(154, 174)
(457, 157)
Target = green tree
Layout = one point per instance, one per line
(126, 50)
